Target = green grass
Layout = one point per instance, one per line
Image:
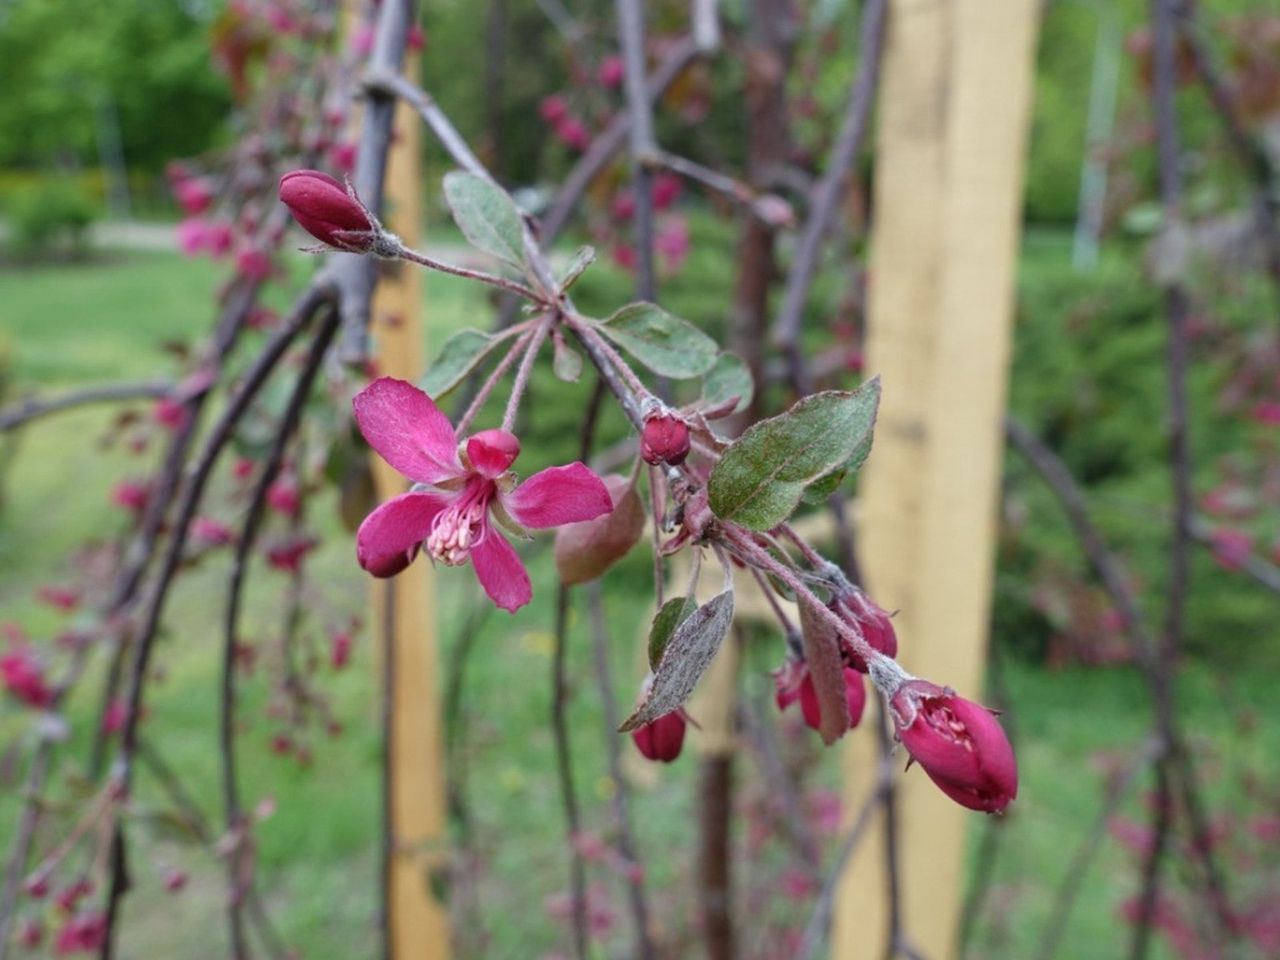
(318, 853)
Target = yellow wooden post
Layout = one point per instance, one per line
(418, 922)
(952, 132)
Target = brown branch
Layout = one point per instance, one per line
(825, 197)
(643, 144)
(620, 801)
(235, 820)
(254, 379)
(564, 769)
(24, 411)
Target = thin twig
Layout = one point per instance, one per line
(564, 768)
(620, 799)
(825, 196)
(631, 38)
(24, 411)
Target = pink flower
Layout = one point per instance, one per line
(467, 486)
(169, 413)
(219, 237)
(624, 205)
(417, 38)
(340, 651)
(193, 236)
(22, 675)
(343, 155)
(362, 40)
(175, 880)
(287, 555)
(960, 744)
(83, 933)
(253, 263)
(662, 739)
(611, 71)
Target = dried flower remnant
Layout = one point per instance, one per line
(463, 491)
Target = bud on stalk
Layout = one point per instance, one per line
(329, 211)
(665, 439)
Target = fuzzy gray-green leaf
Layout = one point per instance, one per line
(667, 345)
(727, 378)
(461, 353)
(763, 474)
(486, 215)
(665, 621)
(685, 659)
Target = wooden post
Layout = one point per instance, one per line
(952, 133)
(417, 921)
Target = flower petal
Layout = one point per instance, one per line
(568, 494)
(501, 572)
(386, 537)
(408, 430)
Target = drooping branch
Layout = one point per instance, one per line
(33, 408)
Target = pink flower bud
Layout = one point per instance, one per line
(417, 38)
(573, 134)
(218, 238)
(553, 109)
(287, 555)
(343, 155)
(194, 196)
(83, 933)
(253, 264)
(612, 71)
(871, 619)
(665, 439)
(283, 498)
(114, 716)
(30, 933)
(1267, 413)
(663, 738)
(959, 743)
(855, 692)
(36, 886)
(492, 452)
(340, 651)
(60, 598)
(624, 205)
(131, 495)
(1231, 548)
(666, 190)
(323, 207)
(169, 413)
(208, 532)
(175, 880)
(23, 676)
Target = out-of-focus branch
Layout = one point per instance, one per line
(825, 197)
(631, 38)
(255, 377)
(234, 813)
(620, 801)
(24, 411)
(564, 768)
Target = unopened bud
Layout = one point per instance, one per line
(328, 211)
(662, 739)
(959, 743)
(665, 439)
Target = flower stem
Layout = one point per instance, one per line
(498, 373)
(502, 283)
(535, 340)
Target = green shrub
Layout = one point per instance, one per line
(50, 218)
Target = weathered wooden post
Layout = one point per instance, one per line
(417, 921)
(952, 130)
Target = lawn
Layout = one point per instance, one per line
(318, 851)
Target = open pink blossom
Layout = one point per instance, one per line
(464, 487)
(23, 676)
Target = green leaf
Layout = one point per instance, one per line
(577, 267)
(665, 621)
(685, 659)
(486, 215)
(461, 353)
(667, 345)
(762, 475)
(727, 378)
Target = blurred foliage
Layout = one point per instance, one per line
(68, 65)
(51, 216)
